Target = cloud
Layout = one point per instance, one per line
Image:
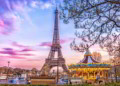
(6, 25)
(9, 9)
(27, 54)
(43, 4)
(1, 23)
(19, 45)
(62, 41)
(27, 50)
(23, 47)
(13, 53)
(34, 4)
(46, 6)
(8, 51)
(8, 19)
(46, 44)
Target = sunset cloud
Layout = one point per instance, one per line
(26, 54)
(1, 23)
(24, 48)
(7, 25)
(19, 45)
(27, 50)
(48, 44)
(8, 19)
(9, 9)
(13, 53)
(8, 51)
(62, 41)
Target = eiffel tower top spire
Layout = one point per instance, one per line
(56, 38)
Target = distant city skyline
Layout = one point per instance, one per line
(26, 30)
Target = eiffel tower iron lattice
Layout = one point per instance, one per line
(51, 61)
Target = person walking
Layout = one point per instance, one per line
(97, 78)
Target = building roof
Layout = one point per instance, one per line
(88, 58)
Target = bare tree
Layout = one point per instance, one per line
(97, 21)
(116, 68)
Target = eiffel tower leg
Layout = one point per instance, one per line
(45, 69)
(60, 53)
(42, 72)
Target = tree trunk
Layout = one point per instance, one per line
(115, 74)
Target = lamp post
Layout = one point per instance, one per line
(8, 69)
(57, 70)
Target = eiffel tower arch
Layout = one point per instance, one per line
(51, 61)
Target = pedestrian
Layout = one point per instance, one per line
(97, 78)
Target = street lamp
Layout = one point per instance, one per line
(8, 68)
(8, 63)
(57, 70)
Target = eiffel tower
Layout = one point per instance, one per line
(51, 61)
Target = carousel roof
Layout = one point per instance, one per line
(88, 58)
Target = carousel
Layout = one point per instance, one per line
(88, 68)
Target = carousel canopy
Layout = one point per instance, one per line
(89, 62)
(88, 58)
